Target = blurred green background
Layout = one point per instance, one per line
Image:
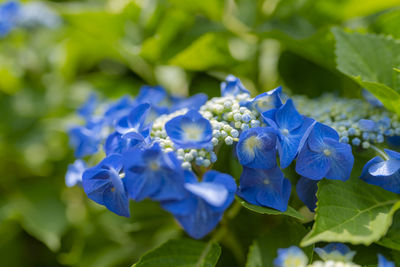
(113, 47)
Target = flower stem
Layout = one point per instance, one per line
(380, 152)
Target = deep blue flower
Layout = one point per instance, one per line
(335, 252)
(257, 148)
(292, 129)
(103, 184)
(385, 174)
(324, 156)
(383, 262)
(154, 174)
(86, 140)
(291, 257)
(267, 101)
(9, 12)
(232, 86)
(266, 188)
(190, 130)
(74, 173)
(307, 190)
(134, 124)
(206, 201)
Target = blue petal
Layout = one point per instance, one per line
(88, 108)
(318, 133)
(392, 154)
(290, 144)
(75, 172)
(335, 252)
(232, 86)
(265, 188)
(113, 161)
(311, 164)
(152, 95)
(307, 190)
(385, 168)
(193, 102)
(256, 148)
(223, 179)
(116, 201)
(383, 262)
(287, 117)
(118, 109)
(138, 115)
(201, 221)
(268, 100)
(390, 183)
(94, 182)
(181, 207)
(214, 194)
(341, 160)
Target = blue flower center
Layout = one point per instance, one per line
(193, 132)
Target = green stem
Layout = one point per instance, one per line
(380, 152)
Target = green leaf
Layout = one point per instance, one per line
(392, 238)
(264, 249)
(182, 252)
(263, 210)
(209, 51)
(352, 211)
(370, 60)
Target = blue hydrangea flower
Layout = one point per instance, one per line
(116, 143)
(193, 102)
(232, 86)
(134, 124)
(292, 129)
(291, 257)
(86, 140)
(335, 252)
(9, 12)
(156, 96)
(267, 101)
(190, 130)
(74, 173)
(154, 174)
(103, 184)
(385, 174)
(118, 109)
(266, 188)
(383, 262)
(324, 156)
(306, 190)
(257, 148)
(203, 208)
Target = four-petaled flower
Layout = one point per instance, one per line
(324, 156)
(232, 86)
(190, 130)
(335, 252)
(104, 185)
(268, 188)
(385, 174)
(267, 101)
(205, 202)
(292, 129)
(257, 148)
(152, 173)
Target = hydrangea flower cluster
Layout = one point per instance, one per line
(332, 255)
(163, 147)
(29, 15)
(359, 123)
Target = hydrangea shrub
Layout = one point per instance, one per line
(162, 147)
